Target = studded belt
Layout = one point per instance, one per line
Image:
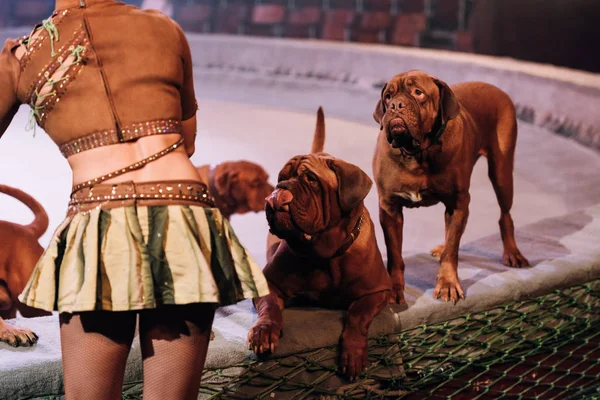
(94, 192)
(128, 192)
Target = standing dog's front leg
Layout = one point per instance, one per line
(358, 318)
(448, 287)
(264, 334)
(392, 230)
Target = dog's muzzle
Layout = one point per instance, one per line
(399, 136)
(280, 199)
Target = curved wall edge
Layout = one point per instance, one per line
(558, 99)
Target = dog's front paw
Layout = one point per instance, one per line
(264, 336)
(448, 288)
(354, 356)
(437, 251)
(397, 295)
(15, 336)
(514, 258)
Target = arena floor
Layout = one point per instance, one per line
(556, 213)
(546, 165)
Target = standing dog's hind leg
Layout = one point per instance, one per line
(500, 171)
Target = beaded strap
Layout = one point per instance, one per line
(110, 137)
(138, 165)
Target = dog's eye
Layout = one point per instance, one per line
(418, 92)
(311, 177)
(388, 97)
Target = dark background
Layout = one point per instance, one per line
(559, 32)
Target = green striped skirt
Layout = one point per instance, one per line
(140, 257)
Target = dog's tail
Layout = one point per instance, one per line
(318, 143)
(40, 221)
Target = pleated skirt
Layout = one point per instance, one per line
(142, 257)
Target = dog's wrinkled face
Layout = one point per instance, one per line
(314, 193)
(246, 185)
(409, 108)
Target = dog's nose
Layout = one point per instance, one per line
(396, 104)
(279, 199)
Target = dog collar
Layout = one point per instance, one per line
(438, 135)
(350, 238)
(435, 137)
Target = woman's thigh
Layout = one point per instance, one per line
(174, 340)
(95, 346)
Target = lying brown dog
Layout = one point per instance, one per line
(327, 253)
(430, 137)
(20, 252)
(237, 186)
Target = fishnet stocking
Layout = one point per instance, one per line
(95, 346)
(174, 341)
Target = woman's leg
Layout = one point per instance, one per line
(174, 341)
(95, 346)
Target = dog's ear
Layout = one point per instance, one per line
(380, 108)
(225, 178)
(287, 170)
(353, 184)
(449, 107)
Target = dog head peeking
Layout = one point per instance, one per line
(412, 105)
(315, 193)
(242, 186)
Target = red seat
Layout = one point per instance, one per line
(336, 24)
(267, 14)
(445, 15)
(303, 23)
(266, 20)
(194, 17)
(231, 18)
(345, 4)
(371, 27)
(408, 28)
(300, 4)
(380, 5)
(411, 6)
(464, 42)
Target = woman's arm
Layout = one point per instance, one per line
(9, 70)
(188, 131)
(189, 106)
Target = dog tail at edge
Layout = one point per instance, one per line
(318, 143)
(40, 222)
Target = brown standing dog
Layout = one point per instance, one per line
(19, 253)
(327, 254)
(237, 186)
(430, 137)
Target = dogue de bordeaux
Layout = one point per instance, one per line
(19, 253)
(237, 186)
(325, 251)
(430, 137)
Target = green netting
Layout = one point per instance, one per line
(543, 348)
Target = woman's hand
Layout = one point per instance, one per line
(190, 148)
(188, 131)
